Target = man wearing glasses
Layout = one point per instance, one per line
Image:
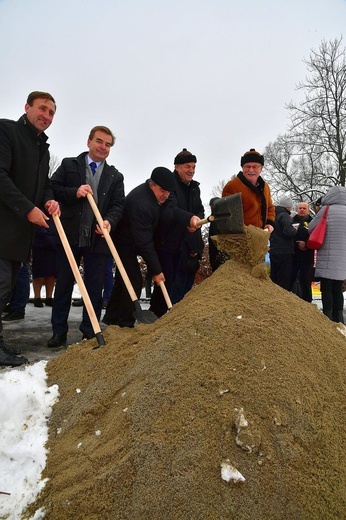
(258, 207)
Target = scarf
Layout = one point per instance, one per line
(87, 219)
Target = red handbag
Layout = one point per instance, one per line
(316, 238)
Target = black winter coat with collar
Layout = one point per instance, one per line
(70, 175)
(141, 218)
(282, 238)
(24, 184)
(306, 257)
(170, 235)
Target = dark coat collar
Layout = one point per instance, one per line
(32, 129)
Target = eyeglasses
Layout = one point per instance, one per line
(252, 167)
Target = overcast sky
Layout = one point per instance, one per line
(211, 76)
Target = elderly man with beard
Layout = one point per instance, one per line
(258, 207)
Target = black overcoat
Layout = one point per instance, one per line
(24, 184)
(70, 175)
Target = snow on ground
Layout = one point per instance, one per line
(26, 404)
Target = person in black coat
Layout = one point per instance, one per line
(73, 180)
(134, 237)
(178, 250)
(303, 259)
(25, 191)
(282, 244)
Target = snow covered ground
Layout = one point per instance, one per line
(26, 406)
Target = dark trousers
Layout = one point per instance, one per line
(120, 306)
(280, 269)
(301, 280)
(169, 264)
(332, 299)
(109, 280)
(8, 276)
(183, 278)
(178, 282)
(94, 274)
(21, 290)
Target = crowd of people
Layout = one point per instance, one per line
(294, 265)
(158, 222)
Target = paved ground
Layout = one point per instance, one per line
(32, 333)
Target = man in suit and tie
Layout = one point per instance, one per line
(73, 180)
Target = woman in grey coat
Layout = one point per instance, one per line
(331, 257)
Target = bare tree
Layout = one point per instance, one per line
(311, 156)
(319, 121)
(217, 190)
(304, 176)
(54, 162)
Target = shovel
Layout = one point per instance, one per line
(227, 215)
(141, 315)
(166, 295)
(86, 299)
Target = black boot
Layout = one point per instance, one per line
(12, 351)
(338, 316)
(57, 340)
(329, 314)
(11, 361)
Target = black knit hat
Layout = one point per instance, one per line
(252, 156)
(184, 157)
(164, 178)
(318, 202)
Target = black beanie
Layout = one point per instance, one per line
(184, 157)
(164, 178)
(252, 156)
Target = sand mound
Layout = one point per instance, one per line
(144, 423)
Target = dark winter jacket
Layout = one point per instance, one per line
(171, 236)
(303, 258)
(70, 175)
(331, 257)
(283, 236)
(142, 214)
(24, 184)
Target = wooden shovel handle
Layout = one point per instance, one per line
(86, 298)
(166, 295)
(111, 246)
(205, 220)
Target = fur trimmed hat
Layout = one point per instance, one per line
(164, 178)
(184, 157)
(252, 156)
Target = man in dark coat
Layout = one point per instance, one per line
(303, 258)
(135, 237)
(73, 180)
(282, 244)
(178, 250)
(24, 191)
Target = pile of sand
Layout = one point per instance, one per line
(144, 423)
